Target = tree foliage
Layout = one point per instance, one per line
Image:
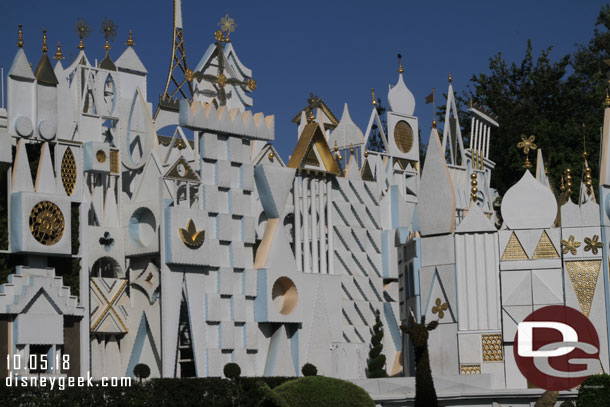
(376, 362)
(547, 97)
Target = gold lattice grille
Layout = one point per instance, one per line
(403, 136)
(114, 161)
(492, 347)
(68, 171)
(514, 250)
(470, 369)
(545, 248)
(47, 223)
(583, 275)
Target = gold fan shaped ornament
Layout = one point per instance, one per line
(191, 236)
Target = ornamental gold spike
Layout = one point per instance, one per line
(130, 42)
(58, 54)
(45, 49)
(527, 144)
(373, 99)
(607, 100)
(450, 78)
(400, 70)
(20, 37)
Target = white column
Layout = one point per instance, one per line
(487, 141)
(297, 224)
(329, 209)
(306, 266)
(321, 194)
(315, 261)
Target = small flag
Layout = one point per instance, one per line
(430, 98)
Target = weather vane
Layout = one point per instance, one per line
(227, 25)
(109, 30)
(527, 144)
(83, 30)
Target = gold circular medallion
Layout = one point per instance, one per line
(222, 80)
(100, 156)
(403, 136)
(47, 223)
(251, 84)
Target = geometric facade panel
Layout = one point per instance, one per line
(545, 248)
(108, 305)
(514, 250)
(583, 275)
(492, 348)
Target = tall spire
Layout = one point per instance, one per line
(176, 78)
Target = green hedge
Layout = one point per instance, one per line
(209, 392)
(323, 391)
(594, 392)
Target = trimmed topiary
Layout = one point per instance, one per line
(309, 370)
(567, 403)
(232, 371)
(323, 391)
(594, 392)
(141, 371)
(376, 362)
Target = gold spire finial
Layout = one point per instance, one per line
(83, 30)
(527, 144)
(366, 153)
(584, 143)
(130, 42)
(374, 100)
(434, 124)
(227, 25)
(569, 181)
(336, 146)
(473, 187)
(58, 54)
(562, 186)
(45, 49)
(450, 78)
(400, 70)
(20, 37)
(351, 149)
(607, 100)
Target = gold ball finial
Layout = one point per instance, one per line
(473, 187)
(45, 49)
(400, 70)
(366, 153)
(130, 42)
(336, 146)
(569, 181)
(351, 149)
(450, 78)
(434, 124)
(607, 100)
(373, 98)
(20, 37)
(58, 54)
(271, 155)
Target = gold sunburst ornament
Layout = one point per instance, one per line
(83, 30)
(191, 236)
(592, 244)
(47, 223)
(527, 144)
(570, 245)
(109, 30)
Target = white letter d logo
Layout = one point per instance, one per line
(526, 336)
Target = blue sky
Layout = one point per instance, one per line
(338, 50)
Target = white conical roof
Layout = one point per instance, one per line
(347, 133)
(529, 205)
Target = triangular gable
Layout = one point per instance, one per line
(41, 304)
(179, 141)
(21, 67)
(366, 173)
(268, 155)
(376, 120)
(312, 138)
(329, 118)
(129, 61)
(148, 189)
(184, 173)
(454, 140)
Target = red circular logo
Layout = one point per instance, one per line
(556, 348)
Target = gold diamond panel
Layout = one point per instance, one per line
(114, 161)
(492, 348)
(403, 136)
(47, 223)
(514, 250)
(68, 171)
(545, 248)
(583, 275)
(470, 369)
